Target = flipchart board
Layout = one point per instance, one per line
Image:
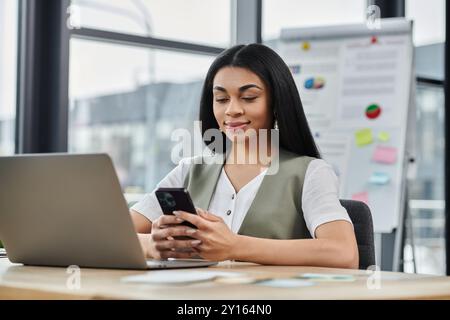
(356, 86)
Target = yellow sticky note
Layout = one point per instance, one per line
(363, 137)
(384, 136)
(306, 46)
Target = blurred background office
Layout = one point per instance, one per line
(125, 73)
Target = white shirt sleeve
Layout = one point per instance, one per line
(320, 198)
(149, 205)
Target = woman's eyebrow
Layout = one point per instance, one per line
(241, 89)
(248, 86)
(219, 88)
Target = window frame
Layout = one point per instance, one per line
(42, 117)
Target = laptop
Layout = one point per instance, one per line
(68, 209)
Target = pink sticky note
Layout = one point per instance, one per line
(362, 196)
(386, 155)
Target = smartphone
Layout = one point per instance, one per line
(176, 199)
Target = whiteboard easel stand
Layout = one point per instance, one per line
(405, 221)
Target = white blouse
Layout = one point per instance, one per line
(320, 198)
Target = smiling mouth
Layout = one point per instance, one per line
(236, 125)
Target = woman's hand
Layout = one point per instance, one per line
(160, 243)
(218, 241)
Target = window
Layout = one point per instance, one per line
(126, 101)
(429, 20)
(8, 67)
(425, 230)
(197, 21)
(280, 14)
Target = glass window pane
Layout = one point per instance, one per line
(127, 101)
(8, 67)
(198, 21)
(429, 20)
(425, 235)
(426, 190)
(429, 143)
(280, 14)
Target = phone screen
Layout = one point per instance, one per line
(175, 199)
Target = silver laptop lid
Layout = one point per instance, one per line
(61, 210)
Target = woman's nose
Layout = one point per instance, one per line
(234, 108)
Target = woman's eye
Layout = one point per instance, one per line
(221, 100)
(249, 98)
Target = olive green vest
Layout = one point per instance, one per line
(276, 211)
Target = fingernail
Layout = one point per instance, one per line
(191, 231)
(196, 242)
(177, 213)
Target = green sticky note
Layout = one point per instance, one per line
(384, 136)
(363, 137)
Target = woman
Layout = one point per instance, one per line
(292, 217)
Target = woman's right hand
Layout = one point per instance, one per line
(160, 243)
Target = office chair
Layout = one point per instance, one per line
(361, 217)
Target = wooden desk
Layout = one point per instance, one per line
(23, 282)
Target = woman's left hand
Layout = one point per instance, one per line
(218, 241)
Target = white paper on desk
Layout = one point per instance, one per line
(327, 277)
(179, 277)
(285, 283)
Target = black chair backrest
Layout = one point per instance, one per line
(361, 217)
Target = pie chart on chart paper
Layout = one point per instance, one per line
(315, 83)
(373, 111)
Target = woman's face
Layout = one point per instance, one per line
(241, 102)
